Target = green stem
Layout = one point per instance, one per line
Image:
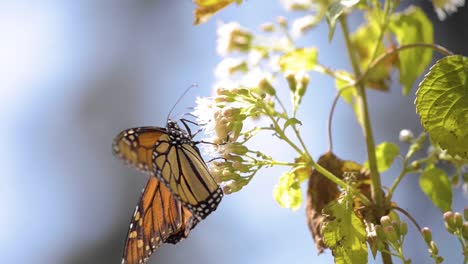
(375, 177)
(376, 186)
(403, 172)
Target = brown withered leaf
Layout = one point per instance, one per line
(322, 191)
(206, 8)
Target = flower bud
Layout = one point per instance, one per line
(303, 79)
(415, 165)
(391, 234)
(386, 220)
(427, 234)
(465, 213)
(406, 136)
(403, 229)
(458, 220)
(267, 27)
(380, 233)
(236, 148)
(291, 79)
(449, 221)
(433, 248)
(241, 167)
(266, 87)
(231, 112)
(235, 186)
(282, 21)
(464, 230)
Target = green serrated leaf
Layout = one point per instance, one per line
(300, 59)
(412, 26)
(291, 122)
(288, 192)
(344, 233)
(436, 185)
(442, 104)
(386, 153)
(335, 10)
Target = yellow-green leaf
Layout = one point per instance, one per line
(344, 233)
(288, 191)
(442, 104)
(386, 153)
(206, 8)
(365, 40)
(412, 26)
(436, 185)
(300, 59)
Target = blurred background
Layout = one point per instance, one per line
(75, 73)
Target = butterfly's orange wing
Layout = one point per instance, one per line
(158, 217)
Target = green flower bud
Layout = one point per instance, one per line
(267, 27)
(391, 234)
(231, 157)
(266, 87)
(236, 148)
(449, 221)
(386, 220)
(403, 229)
(231, 112)
(235, 186)
(224, 99)
(464, 230)
(380, 233)
(415, 165)
(291, 79)
(458, 220)
(465, 213)
(241, 167)
(303, 79)
(228, 175)
(433, 248)
(427, 235)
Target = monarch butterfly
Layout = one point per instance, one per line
(162, 216)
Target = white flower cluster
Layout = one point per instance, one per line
(446, 7)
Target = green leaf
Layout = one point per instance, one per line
(288, 192)
(412, 26)
(386, 153)
(335, 10)
(300, 59)
(436, 185)
(368, 45)
(344, 233)
(442, 104)
(291, 122)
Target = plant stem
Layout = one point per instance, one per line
(376, 186)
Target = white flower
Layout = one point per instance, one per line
(301, 25)
(444, 7)
(228, 66)
(406, 135)
(232, 37)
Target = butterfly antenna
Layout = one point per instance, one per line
(180, 98)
